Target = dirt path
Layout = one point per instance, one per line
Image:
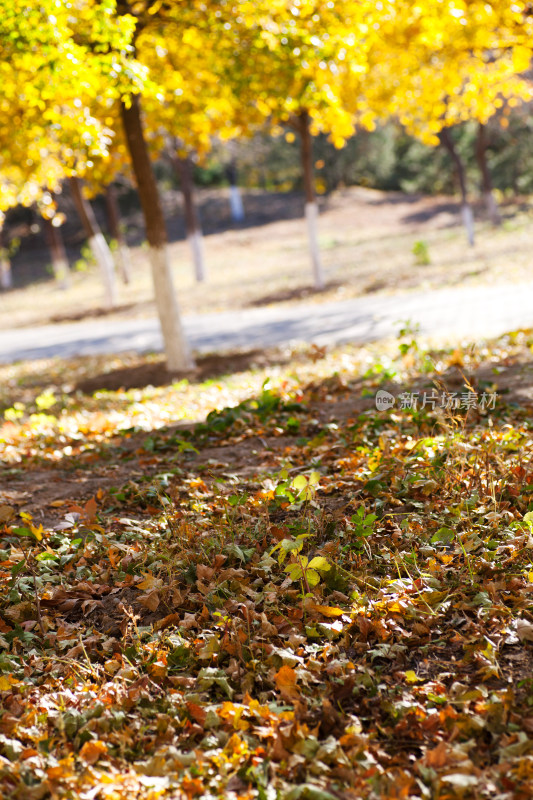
(475, 311)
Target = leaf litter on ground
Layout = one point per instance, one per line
(258, 585)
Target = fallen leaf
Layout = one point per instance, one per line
(166, 622)
(92, 751)
(149, 601)
(6, 513)
(524, 630)
(197, 713)
(150, 583)
(286, 682)
(6, 682)
(327, 611)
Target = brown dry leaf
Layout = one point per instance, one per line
(266, 627)
(198, 713)
(92, 751)
(279, 533)
(204, 573)
(189, 621)
(166, 622)
(150, 601)
(6, 513)
(286, 682)
(438, 757)
(20, 611)
(278, 751)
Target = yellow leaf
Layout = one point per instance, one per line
(150, 583)
(37, 532)
(328, 611)
(320, 563)
(411, 676)
(6, 682)
(112, 666)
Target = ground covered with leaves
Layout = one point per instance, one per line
(258, 585)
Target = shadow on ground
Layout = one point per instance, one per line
(156, 374)
(299, 293)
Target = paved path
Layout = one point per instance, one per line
(469, 312)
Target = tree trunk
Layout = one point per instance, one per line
(97, 243)
(466, 209)
(184, 171)
(486, 178)
(6, 277)
(235, 199)
(311, 205)
(176, 348)
(58, 254)
(122, 253)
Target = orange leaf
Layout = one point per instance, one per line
(29, 752)
(193, 787)
(90, 509)
(286, 682)
(197, 713)
(92, 751)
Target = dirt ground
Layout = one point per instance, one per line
(366, 237)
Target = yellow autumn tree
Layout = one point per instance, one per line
(437, 64)
(57, 60)
(192, 105)
(286, 61)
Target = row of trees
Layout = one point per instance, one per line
(388, 158)
(96, 87)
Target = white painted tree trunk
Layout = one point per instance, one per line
(61, 269)
(123, 262)
(6, 277)
(237, 208)
(311, 215)
(492, 208)
(104, 259)
(196, 243)
(468, 221)
(176, 347)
